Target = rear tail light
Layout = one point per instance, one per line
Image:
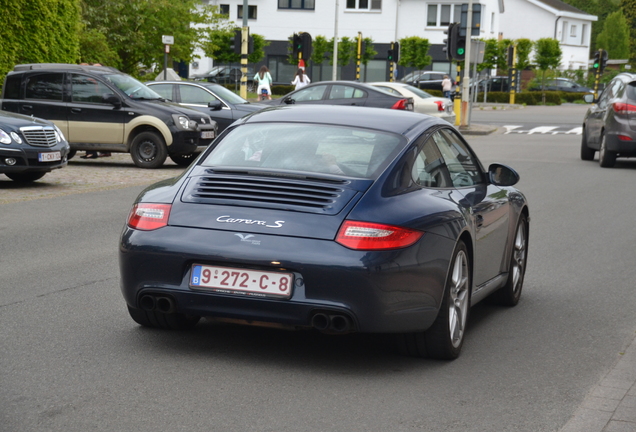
(148, 217)
(402, 104)
(624, 138)
(373, 236)
(440, 105)
(624, 108)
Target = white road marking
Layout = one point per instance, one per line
(510, 128)
(542, 129)
(575, 131)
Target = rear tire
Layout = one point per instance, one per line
(25, 177)
(184, 160)
(587, 153)
(148, 150)
(606, 158)
(510, 293)
(444, 339)
(167, 321)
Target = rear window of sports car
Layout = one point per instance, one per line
(322, 149)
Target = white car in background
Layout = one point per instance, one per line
(424, 103)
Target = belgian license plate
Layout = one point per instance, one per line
(229, 280)
(50, 156)
(207, 134)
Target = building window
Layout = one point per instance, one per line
(364, 4)
(573, 31)
(441, 15)
(224, 9)
(251, 12)
(564, 31)
(584, 34)
(296, 4)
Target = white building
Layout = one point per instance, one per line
(385, 21)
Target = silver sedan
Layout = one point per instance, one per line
(424, 103)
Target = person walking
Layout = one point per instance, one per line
(264, 80)
(447, 86)
(300, 80)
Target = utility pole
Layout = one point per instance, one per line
(334, 73)
(465, 80)
(245, 34)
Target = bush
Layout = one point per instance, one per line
(526, 97)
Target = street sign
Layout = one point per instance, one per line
(167, 40)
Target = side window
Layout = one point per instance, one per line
(463, 168)
(429, 169)
(164, 90)
(195, 95)
(45, 86)
(345, 92)
(390, 90)
(12, 87)
(606, 95)
(310, 94)
(87, 89)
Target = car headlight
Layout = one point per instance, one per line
(184, 122)
(58, 134)
(4, 137)
(16, 137)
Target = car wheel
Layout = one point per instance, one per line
(606, 158)
(587, 153)
(444, 339)
(25, 177)
(167, 321)
(510, 293)
(148, 150)
(184, 160)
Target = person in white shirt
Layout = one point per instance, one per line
(300, 80)
(264, 80)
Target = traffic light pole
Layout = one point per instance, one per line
(245, 34)
(359, 56)
(466, 80)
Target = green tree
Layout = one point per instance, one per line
(36, 31)
(219, 42)
(133, 28)
(615, 36)
(524, 49)
(490, 55)
(547, 56)
(347, 48)
(321, 47)
(369, 51)
(629, 10)
(414, 52)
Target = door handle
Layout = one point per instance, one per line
(76, 110)
(27, 107)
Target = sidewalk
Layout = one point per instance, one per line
(611, 405)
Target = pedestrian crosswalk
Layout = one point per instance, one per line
(544, 130)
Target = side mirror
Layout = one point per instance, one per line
(111, 99)
(589, 98)
(215, 105)
(502, 175)
(289, 101)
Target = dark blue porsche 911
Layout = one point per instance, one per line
(340, 219)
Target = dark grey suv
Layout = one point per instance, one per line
(99, 108)
(609, 126)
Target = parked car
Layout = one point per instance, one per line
(30, 147)
(609, 126)
(495, 84)
(562, 84)
(427, 80)
(344, 93)
(222, 105)
(226, 75)
(102, 109)
(337, 219)
(423, 102)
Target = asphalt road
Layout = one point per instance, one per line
(72, 359)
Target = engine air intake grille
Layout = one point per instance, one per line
(301, 195)
(39, 136)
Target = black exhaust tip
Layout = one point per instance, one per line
(320, 321)
(147, 303)
(165, 305)
(340, 323)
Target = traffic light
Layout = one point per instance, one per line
(597, 60)
(236, 41)
(448, 42)
(458, 44)
(511, 55)
(603, 60)
(393, 55)
(306, 48)
(297, 45)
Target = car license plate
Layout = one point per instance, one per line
(241, 281)
(207, 134)
(49, 156)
